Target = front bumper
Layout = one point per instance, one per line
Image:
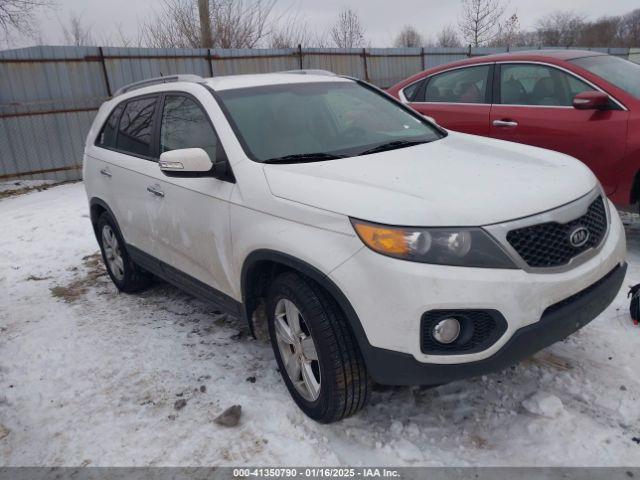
(389, 296)
(558, 322)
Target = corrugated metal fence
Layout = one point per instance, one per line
(49, 95)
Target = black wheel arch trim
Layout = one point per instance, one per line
(294, 263)
(96, 201)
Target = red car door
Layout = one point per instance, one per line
(533, 105)
(457, 99)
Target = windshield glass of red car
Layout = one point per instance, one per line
(621, 73)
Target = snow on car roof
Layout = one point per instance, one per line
(257, 80)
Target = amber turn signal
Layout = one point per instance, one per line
(382, 239)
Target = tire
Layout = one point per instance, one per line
(339, 385)
(124, 273)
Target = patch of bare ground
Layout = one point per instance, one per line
(38, 188)
(94, 271)
(550, 360)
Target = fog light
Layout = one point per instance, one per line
(447, 331)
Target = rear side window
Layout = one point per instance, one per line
(136, 127)
(533, 84)
(107, 137)
(186, 125)
(463, 85)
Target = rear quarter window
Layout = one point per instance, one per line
(107, 136)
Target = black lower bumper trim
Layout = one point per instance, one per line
(557, 322)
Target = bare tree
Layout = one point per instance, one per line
(289, 33)
(241, 23)
(479, 20)
(347, 32)
(605, 31)
(174, 25)
(76, 33)
(560, 29)
(234, 24)
(18, 16)
(320, 39)
(630, 28)
(509, 33)
(119, 38)
(409, 37)
(448, 37)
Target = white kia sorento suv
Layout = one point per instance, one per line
(377, 245)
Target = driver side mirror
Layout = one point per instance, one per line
(591, 101)
(186, 162)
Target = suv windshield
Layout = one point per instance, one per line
(621, 73)
(320, 121)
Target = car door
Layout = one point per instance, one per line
(190, 221)
(129, 160)
(458, 99)
(534, 105)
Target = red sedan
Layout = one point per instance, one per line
(584, 104)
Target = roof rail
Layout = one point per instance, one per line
(311, 71)
(157, 80)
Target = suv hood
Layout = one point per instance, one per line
(460, 180)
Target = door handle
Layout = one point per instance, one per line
(155, 189)
(106, 172)
(505, 123)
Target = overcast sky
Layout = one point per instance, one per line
(381, 18)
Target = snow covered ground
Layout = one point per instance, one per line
(91, 377)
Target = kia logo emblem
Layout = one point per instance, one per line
(579, 236)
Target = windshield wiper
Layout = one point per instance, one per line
(392, 145)
(303, 157)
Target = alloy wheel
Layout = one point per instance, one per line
(297, 349)
(112, 252)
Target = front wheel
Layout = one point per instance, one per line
(316, 351)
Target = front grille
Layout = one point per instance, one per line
(479, 330)
(547, 244)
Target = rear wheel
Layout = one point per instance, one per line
(316, 351)
(124, 273)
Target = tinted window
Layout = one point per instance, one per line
(622, 73)
(538, 85)
(107, 137)
(464, 85)
(338, 118)
(185, 125)
(136, 127)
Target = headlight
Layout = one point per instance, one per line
(468, 247)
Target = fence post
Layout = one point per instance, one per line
(469, 51)
(210, 62)
(104, 71)
(423, 62)
(366, 67)
(300, 56)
